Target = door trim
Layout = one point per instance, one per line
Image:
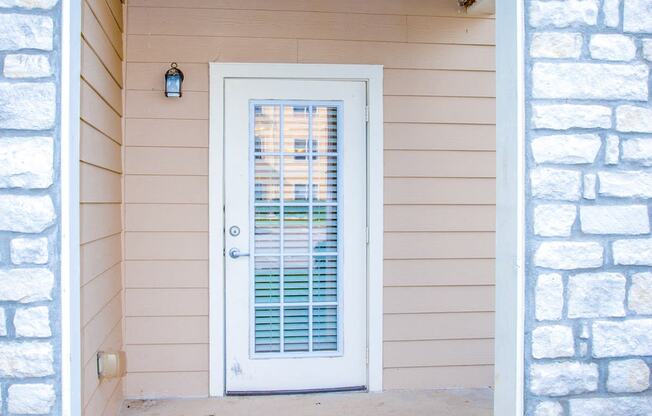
(372, 75)
(70, 271)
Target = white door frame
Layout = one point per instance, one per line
(373, 76)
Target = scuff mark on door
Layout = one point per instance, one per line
(236, 369)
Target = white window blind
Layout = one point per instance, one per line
(295, 233)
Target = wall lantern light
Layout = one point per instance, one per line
(173, 81)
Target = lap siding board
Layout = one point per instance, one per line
(439, 111)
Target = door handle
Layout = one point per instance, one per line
(234, 253)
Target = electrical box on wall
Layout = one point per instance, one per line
(110, 364)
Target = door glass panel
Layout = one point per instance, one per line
(296, 276)
(295, 233)
(324, 176)
(324, 279)
(295, 178)
(267, 226)
(267, 128)
(324, 332)
(324, 228)
(268, 183)
(296, 329)
(267, 281)
(324, 129)
(296, 127)
(296, 229)
(268, 330)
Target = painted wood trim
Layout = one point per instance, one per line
(373, 76)
(375, 208)
(217, 349)
(71, 366)
(510, 218)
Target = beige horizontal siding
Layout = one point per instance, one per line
(424, 218)
(100, 255)
(166, 217)
(167, 330)
(460, 137)
(99, 221)
(117, 10)
(437, 191)
(166, 273)
(439, 168)
(98, 149)
(439, 164)
(99, 185)
(166, 302)
(444, 83)
(439, 245)
(95, 332)
(101, 199)
(433, 299)
(399, 55)
(440, 83)
(98, 292)
(461, 110)
(450, 30)
(116, 400)
(166, 245)
(164, 384)
(96, 75)
(267, 24)
(166, 189)
(101, 398)
(193, 49)
(99, 114)
(103, 45)
(110, 26)
(438, 353)
(439, 377)
(438, 326)
(153, 105)
(168, 358)
(439, 272)
(169, 133)
(139, 76)
(166, 161)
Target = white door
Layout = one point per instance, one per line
(295, 235)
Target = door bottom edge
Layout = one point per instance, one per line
(299, 391)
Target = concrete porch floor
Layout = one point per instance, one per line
(462, 402)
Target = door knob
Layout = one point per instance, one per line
(234, 253)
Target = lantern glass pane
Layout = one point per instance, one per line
(173, 85)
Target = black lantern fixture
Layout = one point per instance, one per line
(173, 81)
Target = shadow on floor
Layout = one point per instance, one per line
(462, 402)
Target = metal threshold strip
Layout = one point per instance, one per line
(288, 392)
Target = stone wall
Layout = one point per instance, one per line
(589, 248)
(29, 201)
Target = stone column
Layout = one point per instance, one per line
(588, 334)
(29, 207)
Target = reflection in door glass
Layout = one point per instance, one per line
(295, 229)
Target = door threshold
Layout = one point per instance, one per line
(303, 391)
